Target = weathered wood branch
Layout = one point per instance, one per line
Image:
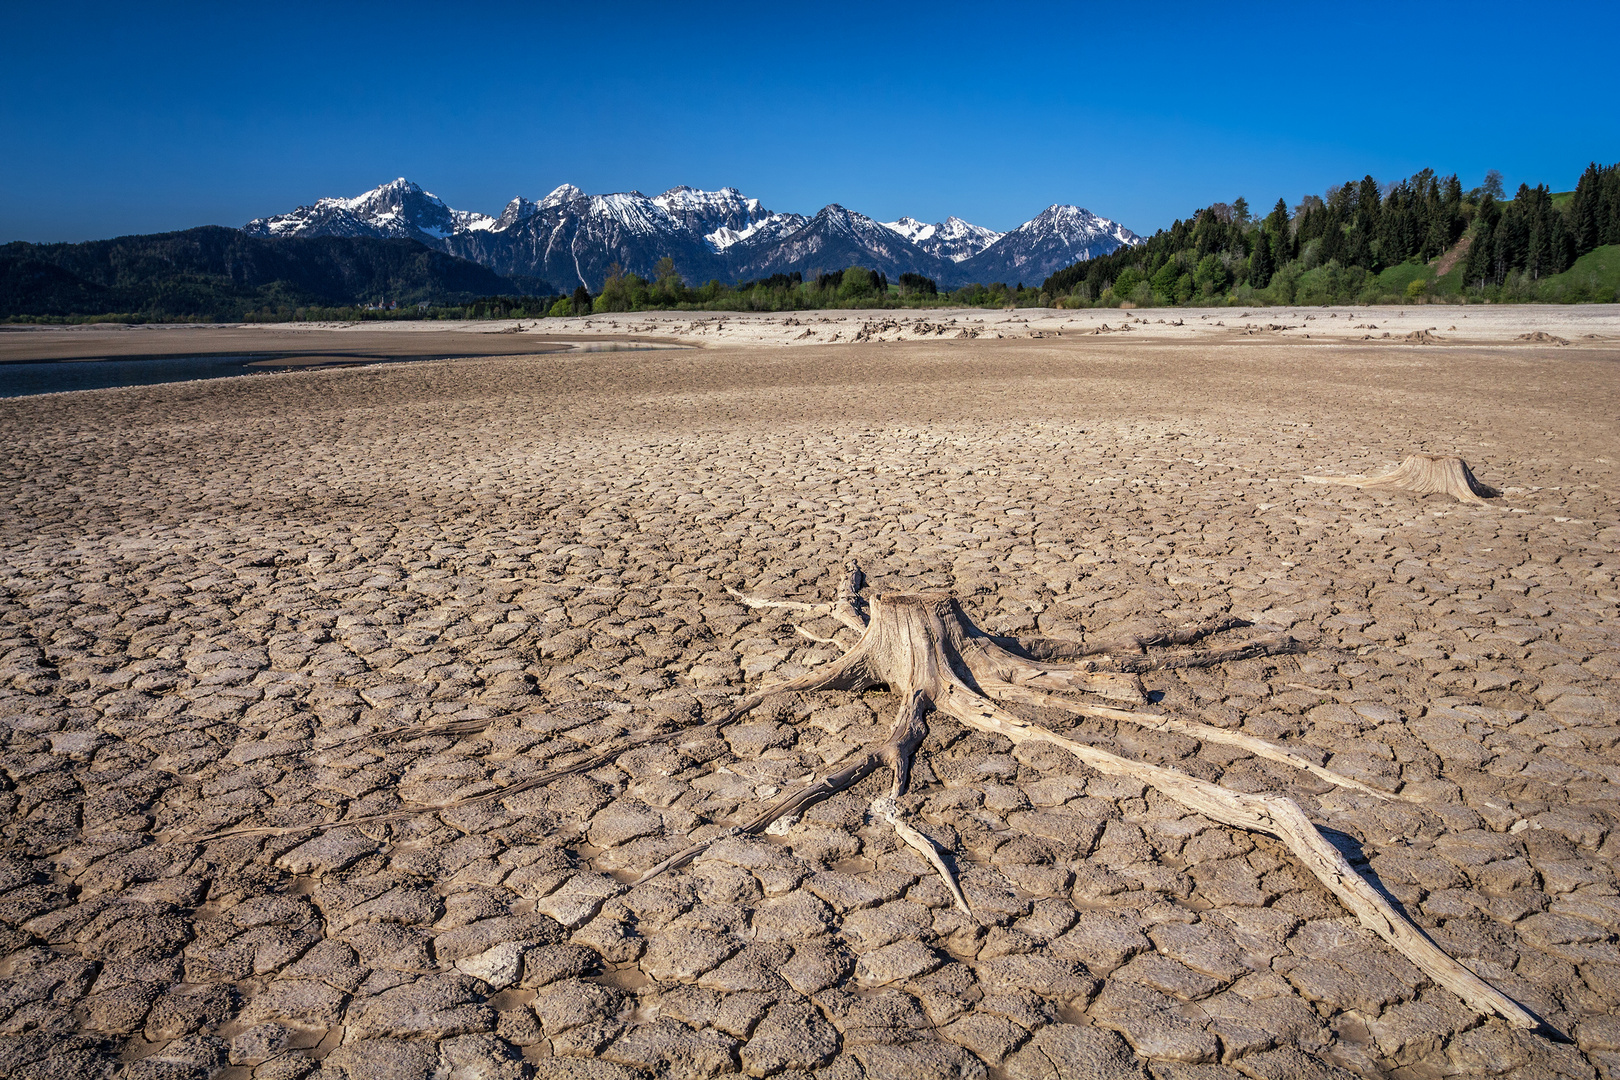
(1273, 814)
(818, 640)
(1191, 728)
(889, 810)
(895, 752)
(852, 772)
(847, 608)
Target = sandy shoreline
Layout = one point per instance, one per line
(249, 603)
(1587, 325)
(1475, 325)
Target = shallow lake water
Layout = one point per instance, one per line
(21, 380)
(56, 376)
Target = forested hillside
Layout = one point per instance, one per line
(216, 273)
(1424, 236)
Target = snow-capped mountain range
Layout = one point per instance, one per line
(570, 238)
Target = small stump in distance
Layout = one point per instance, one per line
(1422, 474)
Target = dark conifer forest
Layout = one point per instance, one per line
(218, 273)
(1421, 238)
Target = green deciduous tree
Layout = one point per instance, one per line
(1210, 276)
(1128, 280)
(857, 282)
(1164, 280)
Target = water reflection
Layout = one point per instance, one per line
(20, 380)
(54, 377)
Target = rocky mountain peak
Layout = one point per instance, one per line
(569, 237)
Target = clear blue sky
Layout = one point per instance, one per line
(137, 118)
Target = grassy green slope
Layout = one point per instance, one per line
(1393, 281)
(1595, 277)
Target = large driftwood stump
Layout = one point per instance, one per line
(1422, 474)
(926, 651)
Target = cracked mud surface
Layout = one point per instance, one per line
(233, 606)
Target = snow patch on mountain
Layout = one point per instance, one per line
(727, 201)
(398, 208)
(910, 228)
(1072, 228)
(561, 195)
(776, 225)
(952, 239)
(630, 209)
(1059, 236)
(472, 221)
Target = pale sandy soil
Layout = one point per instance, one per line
(1478, 324)
(1586, 324)
(234, 604)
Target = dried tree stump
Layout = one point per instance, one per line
(924, 649)
(1422, 474)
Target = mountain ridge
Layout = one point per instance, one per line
(573, 238)
(218, 272)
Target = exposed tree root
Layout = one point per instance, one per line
(926, 651)
(889, 810)
(1191, 728)
(1422, 474)
(895, 752)
(847, 608)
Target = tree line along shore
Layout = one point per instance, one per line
(1422, 239)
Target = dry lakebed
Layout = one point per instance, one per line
(403, 721)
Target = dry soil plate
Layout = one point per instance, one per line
(236, 606)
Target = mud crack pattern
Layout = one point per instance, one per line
(239, 606)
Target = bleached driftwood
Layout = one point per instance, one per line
(926, 651)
